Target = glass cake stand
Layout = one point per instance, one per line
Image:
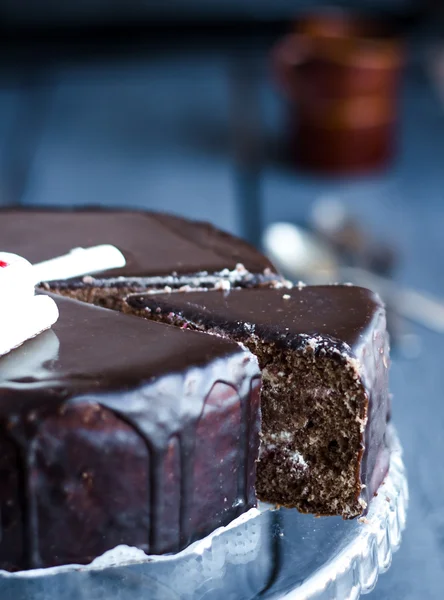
(266, 554)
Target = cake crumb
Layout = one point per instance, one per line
(223, 285)
(240, 268)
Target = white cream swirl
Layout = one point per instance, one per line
(23, 315)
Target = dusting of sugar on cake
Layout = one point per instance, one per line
(223, 285)
(240, 269)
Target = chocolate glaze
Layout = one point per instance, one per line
(153, 244)
(345, 322)
(107, 431)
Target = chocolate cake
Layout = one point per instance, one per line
(161, 251)
(323, 352)
(119, 430)
(116, 431)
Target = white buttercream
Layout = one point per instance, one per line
(16, 281)
(80, 261)
(31, 358)
(27, 321)
(22, 314)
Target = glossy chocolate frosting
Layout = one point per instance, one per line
(107, 437)
(345, 322)
(130, 431)
(154, 244)
(343, 313)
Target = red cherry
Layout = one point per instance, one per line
(3, 264)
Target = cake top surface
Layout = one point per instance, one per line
(92, 350)
(342, 312)
(153, 244)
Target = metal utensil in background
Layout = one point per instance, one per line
(351, 240)
(301, 256)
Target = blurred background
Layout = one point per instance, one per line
(317, 133)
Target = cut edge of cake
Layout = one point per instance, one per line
(331, 456)
(112, 292)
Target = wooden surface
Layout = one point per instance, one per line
(156, 132)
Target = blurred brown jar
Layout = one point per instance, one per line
(341, 75)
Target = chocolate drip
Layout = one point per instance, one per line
(111, 385)
(14, 537)
(33, 522)
(244, 441)
(187, 448)
(156, 498)
(23, 438)
(249, 437)
(252, 440)
(159, 427)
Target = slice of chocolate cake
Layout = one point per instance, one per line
(115, 430)
(323, 352)
(161, 251)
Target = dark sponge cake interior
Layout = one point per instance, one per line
(312, 409)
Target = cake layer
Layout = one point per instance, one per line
(111, 292)
(115, 430)
(154, 244)
(323, 352)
